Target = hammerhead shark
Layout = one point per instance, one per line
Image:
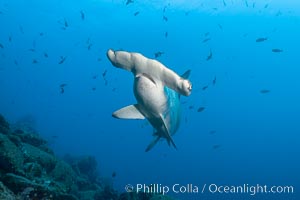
(157, 90)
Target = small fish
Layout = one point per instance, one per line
(261, 39)
(277, 50)
(89, 46)
(21, 29)
(95, 77)
(216, 146)
(136, 13)
(191, 107)
(205, 87)
(32, 50)
(34, 61)
(209, 56)
(166, 34)
(62, 59)
(46, 55)
(205, 40)
(99, 59)
(165, 18)
(10, 38)
(220, 26)
(266, 6)
(206, 34)
(129, 1)
(82, 15)
(246, 2)
(264, 91)
(253, 5)
(66, 23)
(224, 3)
(114, 174)
(214, 81)
(62, 87)
(212, 132)
(158, 54)
(1, 46)
(41, 34)
(94, 88)
(104, 73)
(201, 109)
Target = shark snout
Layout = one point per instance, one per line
(111, 55)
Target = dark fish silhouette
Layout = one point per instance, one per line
(129, 2)
(209, 56)
(264, 91)
(205, 87)
(34, 61)
(82, 15)
(246, 2)
(214, 81)
(191, 107)
(201, 109)
(166, 34)
(10, 38)
(205, 40)
(158, 54)
(220, 26)
(32, 50)
(62, 59)
(266, 6)
(62, 87)
(165, 18)
(95, 77)
(114, 174)
(212, 132)
(41, 34)
(104, 73)
(216, 146)
(206, 34)
(136, 13)
(94, 88)
(21, 29)
(277, 50)
(1, 46)
(261, 39)
(66, 23)
(224, 3)
(46, 55)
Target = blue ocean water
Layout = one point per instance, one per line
(239, 126)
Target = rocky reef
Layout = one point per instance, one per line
(29, 170)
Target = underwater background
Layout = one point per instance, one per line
(239, 126)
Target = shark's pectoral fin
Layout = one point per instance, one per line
(152, 144)
(168, 136)
(129, 112)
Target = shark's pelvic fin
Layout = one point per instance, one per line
(168, 136)
(152, 144)
(129, 112)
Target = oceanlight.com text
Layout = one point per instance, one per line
(209, 188)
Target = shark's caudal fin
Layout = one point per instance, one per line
(129, 112)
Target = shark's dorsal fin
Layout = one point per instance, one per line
(186, 74)
(129, 112)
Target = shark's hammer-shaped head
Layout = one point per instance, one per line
(120, 59)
